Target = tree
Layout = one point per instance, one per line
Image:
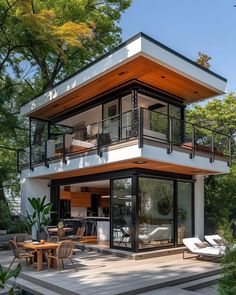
(42, 42)
(55, 38)
(203, 60)
(220, 191)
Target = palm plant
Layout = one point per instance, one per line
(40, 217)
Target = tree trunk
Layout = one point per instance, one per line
(3, 197)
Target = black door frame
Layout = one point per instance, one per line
(134, 174)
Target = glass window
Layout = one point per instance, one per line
(178, 125)
(126, 117)
(111, 121)
(122, 213)
(156, 212)
(184, 211)
(155, 116)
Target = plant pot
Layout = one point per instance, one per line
(181, 234)
(42, 235)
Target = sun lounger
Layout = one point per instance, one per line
(200, 249)
(215, 240)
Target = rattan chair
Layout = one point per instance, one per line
(20, 238)
(20, 254)
(53, 239)
(61, 233)
(78, 236)
(64, 251)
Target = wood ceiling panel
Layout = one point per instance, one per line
(141, 69)
(152, 165)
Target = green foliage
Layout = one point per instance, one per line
(225, 230)
(220, 191)
(41, 43)
(18, 226)
(5, 276)
(227, 284)
(5, 214)
(40, 217)
(218, 114)
(220, 197)
(55, 38)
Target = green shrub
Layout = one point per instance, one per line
(18, 226)
(5, 214)
(227, 284)
(5, 276)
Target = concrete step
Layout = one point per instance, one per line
(45, 285)
(34, 289)
(172, 283)
(201, 283)
(170, 291)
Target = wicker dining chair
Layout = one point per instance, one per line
(78, 236)
(61, 233)
(53, 239)
(20, 238)
(64, 251)
(20, 254)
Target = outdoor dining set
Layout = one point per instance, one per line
(54, 251)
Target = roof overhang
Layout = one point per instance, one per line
(140, 58)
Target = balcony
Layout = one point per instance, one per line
(139, 126)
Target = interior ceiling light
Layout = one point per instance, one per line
(121, 73)
(140, 162)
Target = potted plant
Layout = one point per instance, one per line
(182, 216)
(40, 217)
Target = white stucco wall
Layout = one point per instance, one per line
(199, 206)
(33, 188)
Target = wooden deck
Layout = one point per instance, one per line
(108, 275)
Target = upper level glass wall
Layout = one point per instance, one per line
(108, 122)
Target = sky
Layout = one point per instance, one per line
(189, 26)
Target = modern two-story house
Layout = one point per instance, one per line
(111, 149)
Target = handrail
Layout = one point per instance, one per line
(185, 121)
(133, 127)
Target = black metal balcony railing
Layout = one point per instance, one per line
(140, 124)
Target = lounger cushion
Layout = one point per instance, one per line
(201, 245)
(220, 242)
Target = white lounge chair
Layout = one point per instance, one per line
(157, 234)
(193, 246)
(211, 240)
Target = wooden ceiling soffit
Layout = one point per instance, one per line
(141, 69)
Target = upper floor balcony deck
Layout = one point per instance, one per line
(161, 142)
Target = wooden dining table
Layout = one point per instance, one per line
(40, 248)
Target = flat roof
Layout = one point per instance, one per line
(138, 46)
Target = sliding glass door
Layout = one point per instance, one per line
(122, 228)
(148, 212)
(156, 213)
